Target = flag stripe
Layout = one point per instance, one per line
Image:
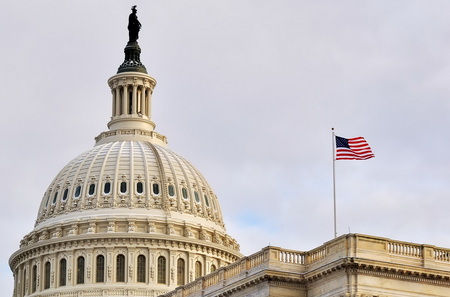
(353, 149)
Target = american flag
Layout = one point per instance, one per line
(353, 149)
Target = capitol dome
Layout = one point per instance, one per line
(135, 180)
(129, 217)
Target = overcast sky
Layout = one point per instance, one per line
(248, 92)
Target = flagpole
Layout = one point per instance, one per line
(333, 142)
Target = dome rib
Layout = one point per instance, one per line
(163, 176)
(116, 174)
(146, 172)
(101, 178)
(89, 179)
(175, 178)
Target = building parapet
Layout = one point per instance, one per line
(357, 250)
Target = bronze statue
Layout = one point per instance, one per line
(133, 25)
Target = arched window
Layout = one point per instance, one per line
(198, 269)
(33, 279)
(62, 272)
(80, 270)
(24, 283)
(161, 270)
(100, 271)
(141, 269)
(180, 272)
(47, 275)
(206, 200)
(120, 268)
(213, 268)
(197, 198)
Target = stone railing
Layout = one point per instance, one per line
(346, 246)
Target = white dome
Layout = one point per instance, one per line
(130, 178)
(129, 215)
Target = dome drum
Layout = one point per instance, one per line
(54, 267)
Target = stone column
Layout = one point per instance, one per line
(117, 102)
(134, 100)
(148, 102)
(125, 100)
(142, 97)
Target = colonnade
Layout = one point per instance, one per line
(131, 100)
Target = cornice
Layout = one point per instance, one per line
(121, 240)
(357, 266)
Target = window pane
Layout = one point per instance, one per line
(80, 270)
(120, 277)
(141, 269)
(77, 192)
(161, 270)
(47, 275)
(140, 187)
(156, 189)
(197, 198)
(100, 272)
(206, 200)
(91, 189)
(107, 188)
(171, 191)
(54, 198)
(198, 269)
(62, 272)
(180, 272)
(123, 187)
(33, 279)
(185, 193)
(66, 192)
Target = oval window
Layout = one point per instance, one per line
(91, 189)
(140, 188)
(197, 198)
(54, 198)
(107, 188)
(185, 193)
(155, 188)
(171, 191)
(77, 192)
(206, 201)
(66, 192)
(123, 187)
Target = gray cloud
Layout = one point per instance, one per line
(248, 92)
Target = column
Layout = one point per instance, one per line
(142, 97)
(134, 102)
(148, 103)
(125, 100)
(117, 105)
